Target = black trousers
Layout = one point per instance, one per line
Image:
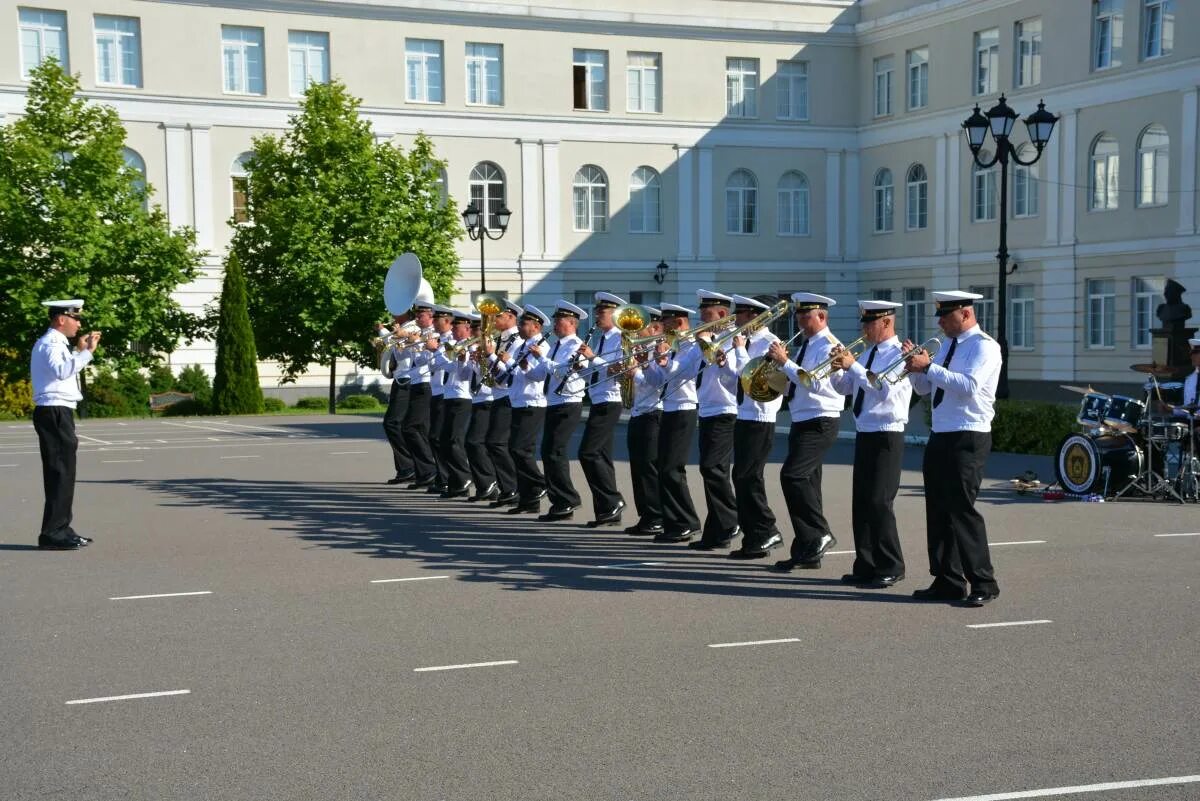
(55, 427)
(483, 472)
(877, 459)
(752, 443)
(435, 436)
(393, 420)
(595, 456)
(716, 457)
(416, 432)
(561, 422)
(800, 476)
(497, 446)
(674, 447)
(456, 418)
(522, 442)
(956, 533)
(641, 438)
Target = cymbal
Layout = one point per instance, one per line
(1157, 370)
(1081, 390)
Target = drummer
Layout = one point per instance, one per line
(1191, 390)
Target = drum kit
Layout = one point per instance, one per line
(1133, 447)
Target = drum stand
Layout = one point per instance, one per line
(1149, 481)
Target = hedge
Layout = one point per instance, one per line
(359, 402)
(1031, 427)
(313, 402)
(273, 405)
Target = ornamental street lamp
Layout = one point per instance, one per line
(999, 121)
(477, 228)
(660, 272)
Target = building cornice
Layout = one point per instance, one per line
(922, 17)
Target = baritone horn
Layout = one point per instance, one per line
(825, 368)
(763, 378)
(897, 371)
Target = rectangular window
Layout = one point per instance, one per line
(791, 82)
(1029, 52)
(242, 51)
(1105, 172)
(1025, 191)
(1107, 25)
(984, 193)
(118, 51)
(1146, 294)
(914, 314)
(651, 297)
(423, 71)
(741, 87)
(985, 307)
(241, 213)
(1158, 26)
(1020, 315)
(881, 294)
(308, 60)
(590, 75)
(485, 67)
(918, 78)
(883, 86)
(1101, 312)
(1152, 171)
(987, 62)
(43, 35)
(643, 74)
(916, 204)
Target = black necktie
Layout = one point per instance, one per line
(475, 382)
(662, 394)
(596, 373)
(700, 374)
(791, 393)
(858, 397)
(940, 393)
(553, 353)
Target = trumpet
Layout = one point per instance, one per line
(825, 368)
(711, 349)
(896, 372)
(459, 348)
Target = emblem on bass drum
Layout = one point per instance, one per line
(1097, 465)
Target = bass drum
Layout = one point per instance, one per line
(1088, 465)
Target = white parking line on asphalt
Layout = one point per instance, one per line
(159, 595)
(93, 439)
(1196, 534)
(241, 457)
(127, 697)
(1012, 623)
(10, 465)
(414, 578)
(838, 553)
(1017, 542)
(120, 461)
(1082, 788)
(629, 564)
(752, 642)
(469, 665)
(345, 453)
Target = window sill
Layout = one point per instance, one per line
(1152, 205)
(591, 110)
(793, 119)
(1099, 347)
(1021, 348)
(793, 236)
(1025, 216)
(484, 105)
(740, 233)
(246, 94)
(881, 233)
(984, 220)
(638, 111)
(909, 230)
(425, 102)
(645, 233)
(1107, 210)
(588, 231)
(100, 85)
(918, 108)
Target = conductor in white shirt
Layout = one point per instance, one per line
(54, 369)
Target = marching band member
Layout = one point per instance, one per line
(500, 424)
(564, 407)
(483, 471)
(678, 398)
(1191, 384)
(456, 410)
(395, 363)
(753, 436)
(443, 321)
(963, 383)
(641, 441)
(596, 446)
(528, 411)
(880, 415)
(815, 409)
(416, 418)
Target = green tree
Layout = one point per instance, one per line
(330, 208)
(236, 388)
(74, 222)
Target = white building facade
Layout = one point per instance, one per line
(755, 147)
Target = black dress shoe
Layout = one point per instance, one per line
(53, 544)
(677, 536)
(557, 513)
(814, 554)
(710, 545)
(528, 507)
(936, 592)
(490, 494)
(436, 489)
(609, 518)
(638, 530)
(459, 493)
(854, 578)
(757, 551)
(981, 597)
(539, 496)
(882, 582)
(400, 478)
(504, 500)
(420, 483)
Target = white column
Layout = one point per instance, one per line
(954, 159)
(939, 195)
(853, 195)
(705, 206)
(177, 174)
(202, 185)
(1053, 173)
(530, 210)
(1055, 324)
(1187, 164)
(684, 202)
(1068, 125)
(551, 193)
(833, 205)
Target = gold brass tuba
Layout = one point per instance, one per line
(488, 307)
(630, 318)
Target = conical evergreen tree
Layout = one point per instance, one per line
(235, 388)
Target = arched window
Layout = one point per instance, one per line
(645, 201)
(984, 189)
(741, 203)
(590, 193)
(1153, 152)
(1102, 181)
(793, 204)
(916, 206)
(1025, 184)
(487, 191)
(885, 201)
(136, 165)
(240, 182)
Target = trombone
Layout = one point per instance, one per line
(710, 349)
(825, 368)
(896, 372)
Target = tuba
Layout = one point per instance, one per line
(630, 318)
(488, 307)
(402, 286)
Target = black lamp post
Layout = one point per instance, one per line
(660, 272)
(477, 228)
(999, 120)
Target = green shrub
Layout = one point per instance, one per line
(16, 398)
(1031, 426)
(161, 379)
(273, 405)
(193, 379)
(185, 408)
(313, 402)
(358, 402)
(235, 386)
(107, 395)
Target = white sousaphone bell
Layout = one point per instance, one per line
(403, 288)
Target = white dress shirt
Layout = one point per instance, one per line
(455, 374)
(54, 370)
(735, 360)
(609, 351)
(716, 389)
(677, 388)
(646, 394)
(553, 366)
(969, 382)
(480, 392)
(437, 374)
(510, 343)
(419, 360)
(522, 390)
(884, 409)
(821, 398)
(1191, 389)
